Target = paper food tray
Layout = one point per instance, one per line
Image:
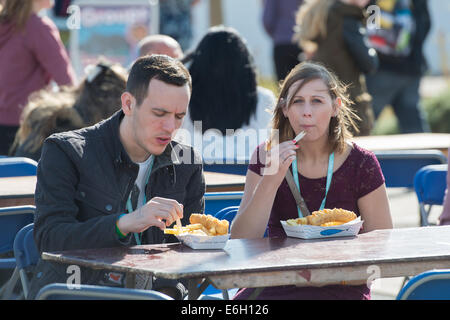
(204, 242)
(316, 232)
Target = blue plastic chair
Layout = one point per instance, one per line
(232, 166)
(17, 167)
(12, 219)
(429, 285)
(400, 167)
(61, 291)
(219, 215)
(230, 214)
(26, 254)
(216, 201)
(430, 183)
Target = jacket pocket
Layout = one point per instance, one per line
(93, 200)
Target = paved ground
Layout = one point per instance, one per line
(405, 213)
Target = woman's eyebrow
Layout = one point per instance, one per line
(313, 95)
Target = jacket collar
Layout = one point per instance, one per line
(166, 158)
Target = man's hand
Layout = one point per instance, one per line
(160, 212)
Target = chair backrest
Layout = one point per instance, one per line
(17, 167)
(26, 255)
(221, 213)
(400, 167)
(12, 219)
(227, 166)
(61, 291)
(216, 201)
(430, 183)
(25, 250)
(429, 285)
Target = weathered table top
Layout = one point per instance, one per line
(17, 187)
(223, 182)
(24, 187)
(268, 262)
(410, 141)
(16, 191)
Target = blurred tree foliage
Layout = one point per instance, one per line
(438, 112)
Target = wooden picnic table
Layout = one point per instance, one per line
(410, 141)
(15, 191)
(223, 182)
(278, 261)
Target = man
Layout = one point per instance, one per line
(85, 178)
(160, 44)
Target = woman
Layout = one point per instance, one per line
(314, 101)
(31, 54)
(226, 97)
(332, 32)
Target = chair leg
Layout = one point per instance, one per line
(9, 286)
(24, 280)
(225, 295)
(423, 216)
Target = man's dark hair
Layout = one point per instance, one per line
(160, 67)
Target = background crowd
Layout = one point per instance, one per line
(376, 67)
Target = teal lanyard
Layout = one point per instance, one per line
(138, 236)
(329, 177)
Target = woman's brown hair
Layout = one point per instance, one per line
(311, 22)
(16, 12)
(339, 125)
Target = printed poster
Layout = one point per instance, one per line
(110, 29)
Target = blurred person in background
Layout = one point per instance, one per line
(333, 33)
(279, 22)
(31, 55)
(175, 20)
(399, 42)
(95, 99)
(226, 96)
(160, 44)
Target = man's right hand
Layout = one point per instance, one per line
(159, 212)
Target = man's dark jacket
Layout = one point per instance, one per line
(84, 178)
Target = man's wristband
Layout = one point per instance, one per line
(119, 233)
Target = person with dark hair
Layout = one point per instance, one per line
(119, 182)
(31, 55)
(226, 100)
(48, 112)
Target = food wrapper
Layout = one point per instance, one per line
(203, 242)
(316, 232)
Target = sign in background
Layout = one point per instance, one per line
(110, 29)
